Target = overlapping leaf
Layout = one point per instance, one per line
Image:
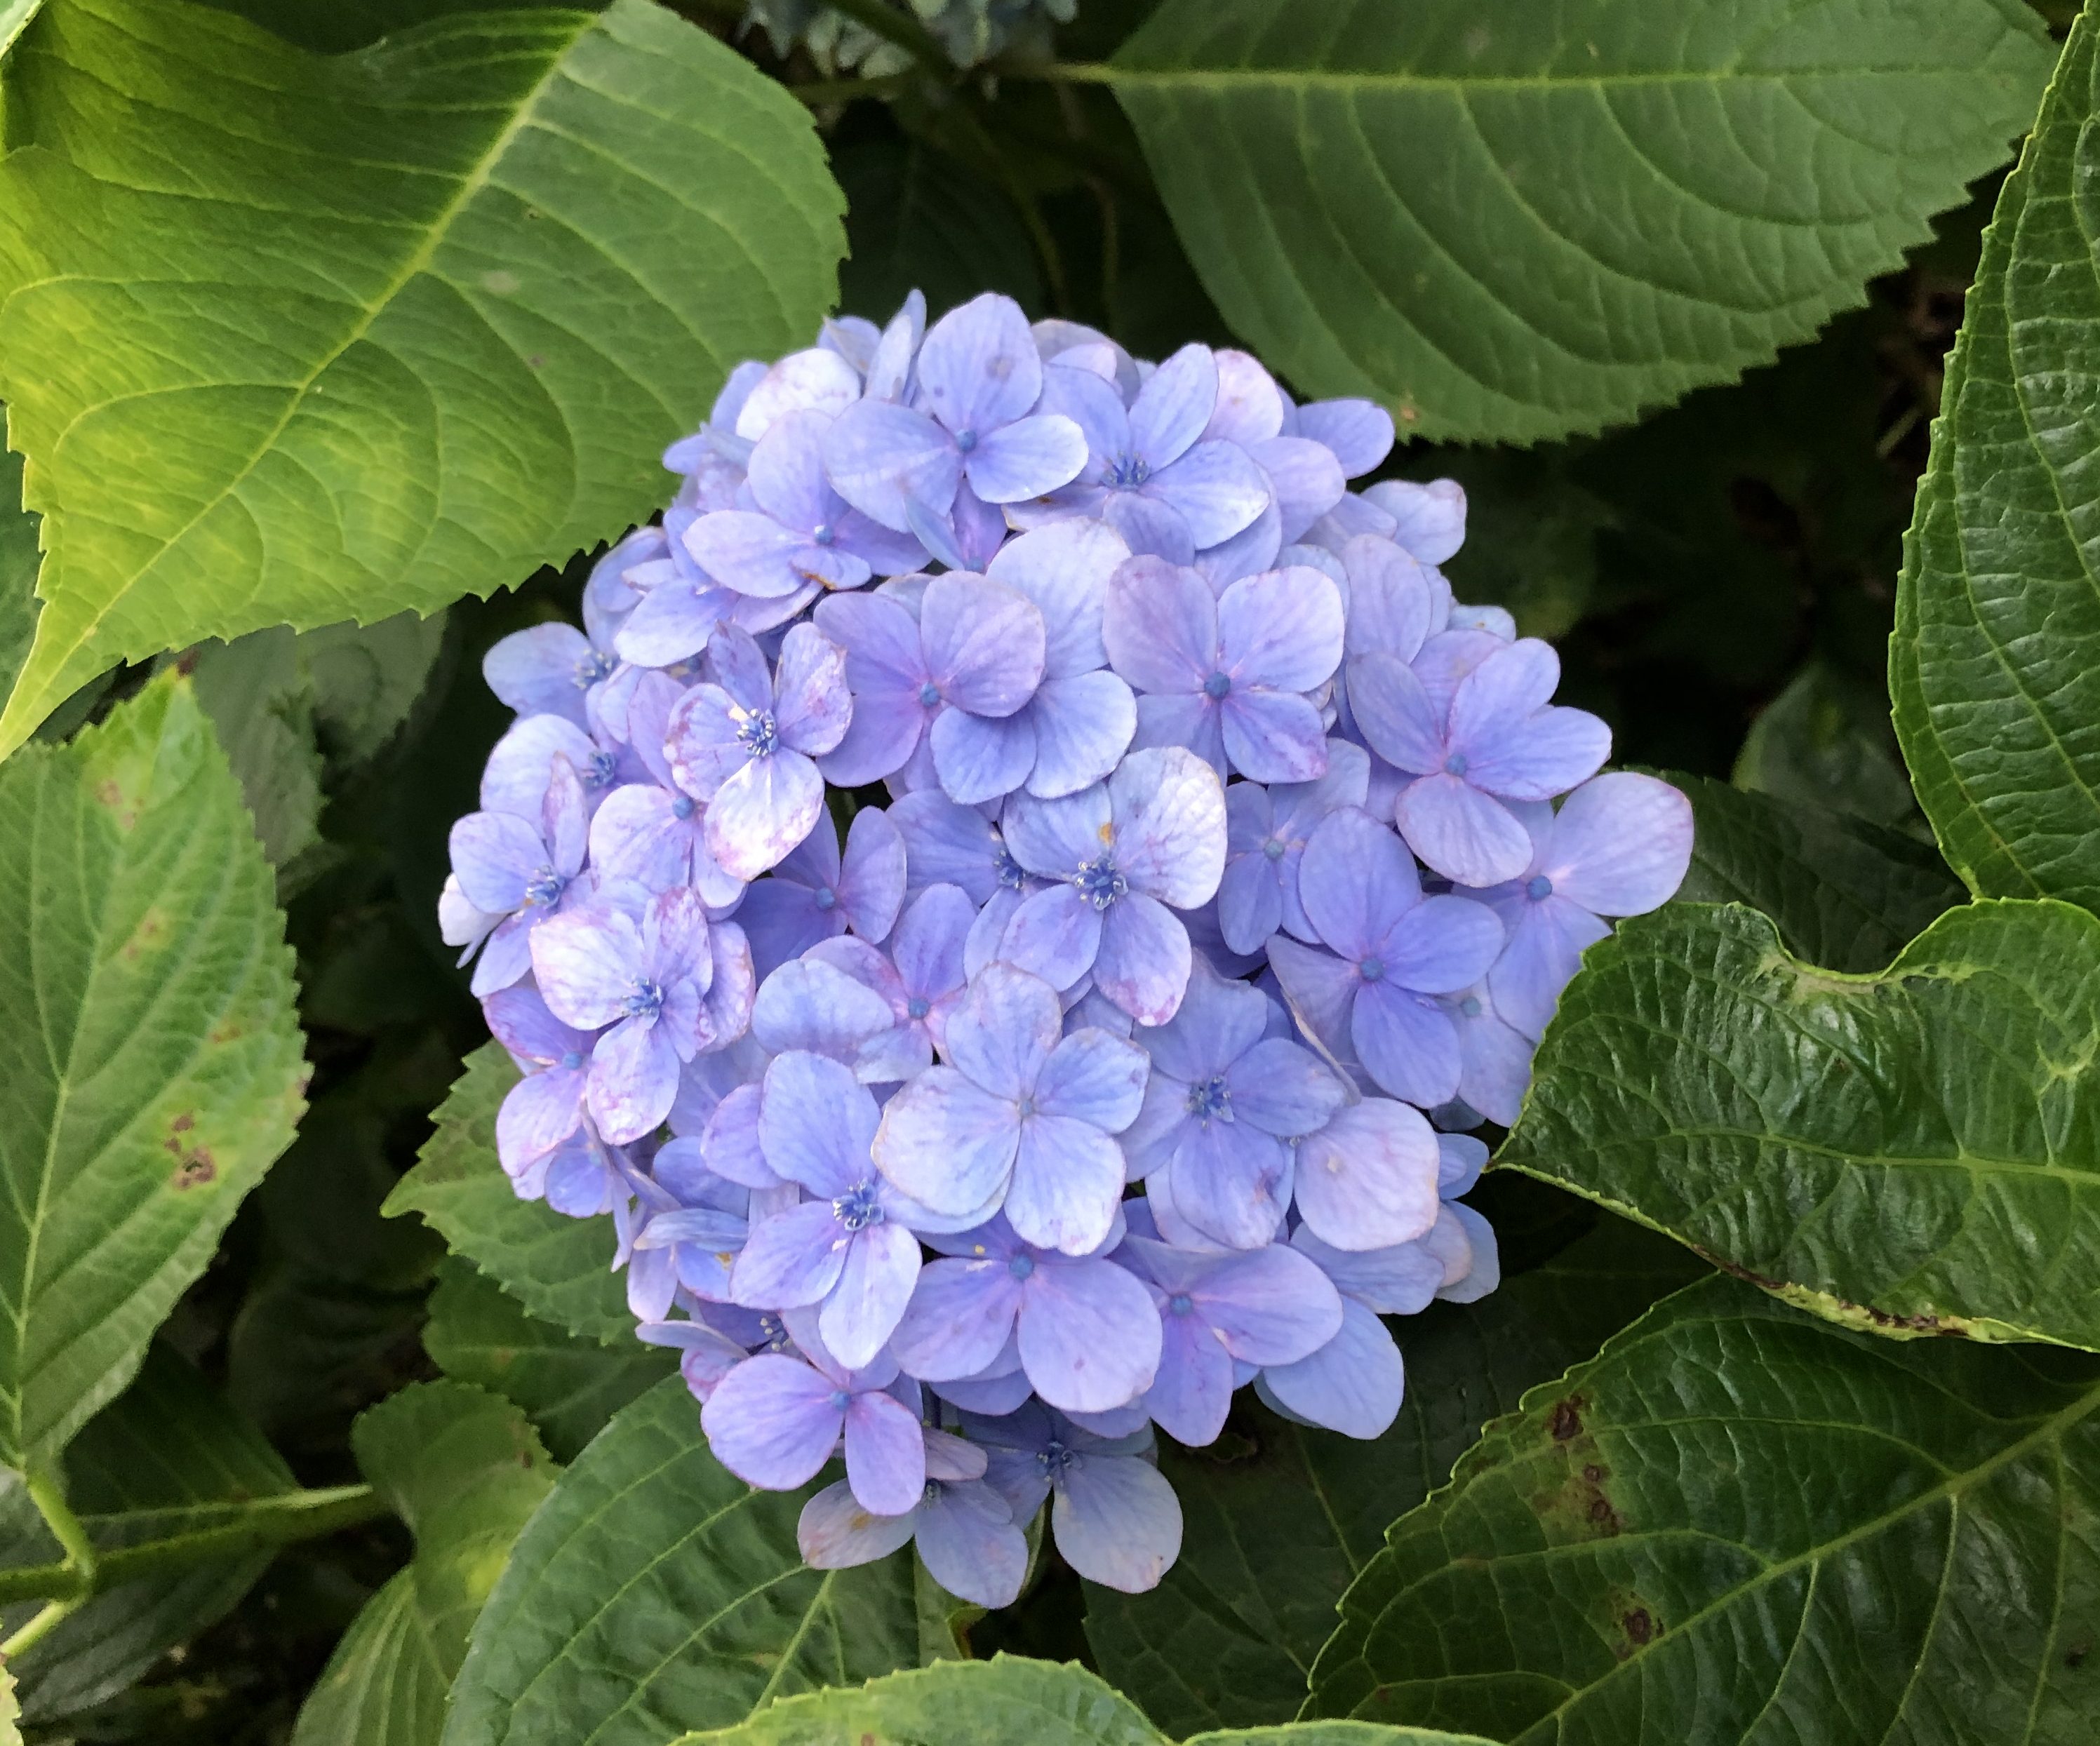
(465, 1470)
(655, 1592)
(1544, 217)
(1744, 1520)
(1007, 1701)
(150, 1068)
(560, 1269)
(1279, 1520)
(1994, 666)
(289, 339)
(1913, 1151)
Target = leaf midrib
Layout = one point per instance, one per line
(1459, 85)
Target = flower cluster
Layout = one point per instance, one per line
(1011, 901)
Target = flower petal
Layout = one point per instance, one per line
(945, 1143)
(1068, 1178)
(1469, 837)
(1118, 1522)
(771, 1421)
(1088, 1335)
(1368, 1180)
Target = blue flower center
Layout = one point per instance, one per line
(593, 666)
(823, 533)
(760, 734)
(645, 1000)
(773, 1333)
(841, 1399)
(1370, 969)
(1054, 1459)
(1538, 887)
(966, 440)
(1217, 686)
(931, 1494)
(1099, 881)
(1210, 1100)
(1469, 1006)
(546, 886)
(603, 767)
(1455, 765)
(1012, 874)
(827, 899)
(1126, 472)
(572, 1060)
(857, 1209)
(929, 694)
(918, 1007)
(1179, 1304)
(1273, 848)
(1021, 1266)
(682, 806)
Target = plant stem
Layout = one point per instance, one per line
(1057, 71)
(846, 90)
(75, 1571)
(882, 19)
(245, 1527)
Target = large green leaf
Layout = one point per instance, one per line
(265, 373)
(569, 1387)
(560, 1269)
(168, 1441)
(1994, 665)
(465, 1470)
(1846, 894)
(1279, 1519)
(1739, 1523)
(1516, 221)
(1915, 1151)
(918, 219)
(150, 1065)
(18, 570)
(655, 1592)
(1007, 1701)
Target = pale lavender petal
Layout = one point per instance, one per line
(1193, 1391)
(947, 1144)
(1429, 520)
(1357, 883)
(1470, 837)
(984, 643)
(507, 956)
(1083, 725)
(1169, 809)
(702, 744)
(1319, 989)
(816, 1122)
(1406, 1043)
(1004, 1033)
(1353, 1384)
(1460, 1160)
(1095, 1078)
(1088, 1335)
(1620, 845)
(928, 945)
(1230, 1181)
(863, 1310)
(673, 623)
(1547, 941)
(1282, 629)
(814, 704)
(772, 1423)
(1065, 569)
(1054, 935)
(1149, 527)
(1359, 432)
(979, 758)
(882, 458)
(1118, 1522)
(1250, 898)
(754, 555)
(763, 811)
(1486, 1272)
(1396, 712)
(1216, 488)
(1271, 1306)
(1283, 1088)
(537, 671)
(1250, 551)
(1031, 458)
(972, 1545)
(1305, 476)
(1143, 960)
(1494, 1066)
(814, 380)
(1368, 1180)
(783, 920)
(835, 1533)
(1089, 395)
(978, 368)
(886, 1453)
(1174, 406)
(1068, 1177)
(1160, 626)
(810, 1005)
(1273, 736)
(785, 475)
(870, 889)
(495, 856)
(1547, 754)
(1249, 406)
(958, 1320)
(1397, 1281)
(790, 1259)
(947, 844)
(1442, 944)
(585, 962)
(1391, 605)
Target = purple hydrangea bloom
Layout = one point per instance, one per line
(653, 832)
(695, 1223)
(814, 893)
(642, 979)
(1266, 831)
(1021, 1117)
(747, 742)
(1083, 1327)
(921, 975)
(1124, 855)
(1224, 1102)
(552, 669)
(1229, 675)
(1620, 846)
(546, 1106)
(1259, 1306)
(979, 378)
(508, 868)
(815, 380)
(1116, 1521)
(1154, 447)
(774, 1420)
(1499, 741)
(971, 657)
(1395, 950)
(965, 1530)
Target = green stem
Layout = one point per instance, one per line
(1058, 72)
(880, 19)
(74, 1574)
(819, 91)
(251, 1526)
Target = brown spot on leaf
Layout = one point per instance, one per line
(1566, 1423)
(226, 1033)
(1594, 1473)
(1602, 1513)
(1640, 1627)
(197, 1168)
(183, 1123)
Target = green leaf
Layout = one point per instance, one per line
(918, 219)
(465, 1472)
(1739, 1523)
(1279, 1520)
(150, 1069)
(1846, 894)
(560, 1269)
(11, 1713)
(366, 680)
(1994, 665)
(18, 557)
(655, 1592)
(1915, 1151)
(569, 1387)
(1007, 1701)
(1826, 739)
(1543, 217)
(418, 372)
(167, 1441)
(262, 710)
